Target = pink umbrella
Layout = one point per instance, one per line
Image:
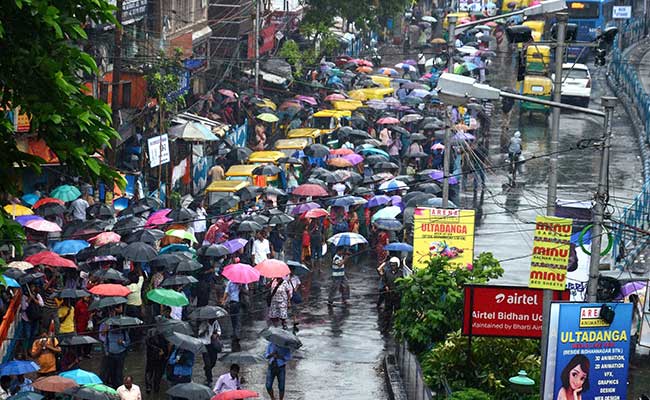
(271, 268)
(158, 218)
(364, 63)
(438, 146)
(43, 226)
(335, 96)
(308, 189)
(105, 238)
(354, 158)
(388, 121)
(241, 273)
(228, 93)
(307, 99)
(316, 213)
(341, 152)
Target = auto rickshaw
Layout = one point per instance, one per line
(290, 146)
(459, 15)
(220, 189)
(383, 81)
(347, 104)
(536, 86)
(258, 158)
(517, 4)
(536, 27)
(371, 93)
(328, 121)
(538, 58)
(312, 135)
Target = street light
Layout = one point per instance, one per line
(522, 383)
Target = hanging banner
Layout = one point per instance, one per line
(158, 147)
(588, 357)
(443, 232)
(551, 247)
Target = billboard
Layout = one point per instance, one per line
(504, 311)
(158, 150)
(551, 248)
(587, 357)
(443, 232)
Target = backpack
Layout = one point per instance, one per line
(34, 311)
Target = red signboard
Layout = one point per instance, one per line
(267, 41)
(505, 311)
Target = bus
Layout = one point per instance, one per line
(591, 16)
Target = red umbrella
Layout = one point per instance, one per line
(341, 152)
(272, 268)
(236, 395)
(54, 384)
(50, 259)
(388, 121)
(309, 189)
(110, 289)
(47, 200)
(316, 213)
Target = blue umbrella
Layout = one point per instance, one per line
(26, 396)
(347, 201)
(399, 246)
(176, 247)
(18, 367)
(374, 150)
(30, 199)
(10, 282)
(81, 376)
(69, 247)
(379, 200)
(347, 239)
(23, 219)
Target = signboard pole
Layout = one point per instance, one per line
(160, 127)
(471, 321)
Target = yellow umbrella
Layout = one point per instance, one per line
(268, 117)
(438, 41)
(267, 103)
(18, 210)
(358, 95)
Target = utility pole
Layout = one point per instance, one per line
(257, 46)
(451, 46)
(601, 201)
(115, 82)
(547, 297)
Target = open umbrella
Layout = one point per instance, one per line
(241, 273)
(267, 169)
(182, 214)
(298, 268)
(188, 266)
(272, 268)
(50, 259)
(105, 238)
(129, 224)
(190, 391)
(186, 342)
(167, 297)
(90, 393)
(378, 200)
(304, 207)
(110, 289)
(135, 209)
(398, 246)
(100, 210)
(178, 280)
(47, 200)
(121, 320)
(69, 247)
(281, 338)
(249, 226)
(280, 219)
(236, 395)
(109, 301)
(388, 224)
(347, 239)
(53, 384)
(81, 376)
(268, 117)
(167, 326)
(387, 213)
(18, 367)
(317, 150)
(9, 282)
(393, 185)
(309, 190)
(66, 193)
(78, 340)
(70, 294)
(17, 210)
(339, 162)
(234, 245)
(388, 121)
(43, 226)
(192, 132)
(182, 234)
(26, 396)
(139, 252)
(207, 313)
(21, 265)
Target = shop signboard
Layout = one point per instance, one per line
(551, 248)
(158, 147)
(443, 232)
(587, 356)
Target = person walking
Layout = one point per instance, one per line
(155, 363)
(261, 248)
(277, 357)
(180, 365)
(339, 281)
(209, 335)
(129, 391)
(279, 302)
(44, 351)
(116, 344)
(228, 381)
(232, 296)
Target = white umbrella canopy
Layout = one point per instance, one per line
(192, 132)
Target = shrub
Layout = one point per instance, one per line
(470, 394)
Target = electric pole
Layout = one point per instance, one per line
(451, 46)
(257, 46)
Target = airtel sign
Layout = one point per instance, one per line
(504, 311)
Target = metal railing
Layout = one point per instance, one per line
(411, 372)
(628, 241)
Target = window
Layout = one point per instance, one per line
(576, 74)
(126, 95)
(583, 10)
(103, 92)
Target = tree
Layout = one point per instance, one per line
(41, 72)
(432, 299)
(365, 14)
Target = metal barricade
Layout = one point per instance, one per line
(416, 388)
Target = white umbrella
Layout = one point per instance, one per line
(192, 132)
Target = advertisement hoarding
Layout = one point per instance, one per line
(587, 356)
(158, 147)
(504, 311)
(551, 247)
(443, 232)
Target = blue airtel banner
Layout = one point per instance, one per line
(591, 356)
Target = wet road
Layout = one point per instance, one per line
(341, 354)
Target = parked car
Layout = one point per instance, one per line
(576, 84)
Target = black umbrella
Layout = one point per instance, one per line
(318, 182)
(14, 273)
(280, 219)
(207, 313)
(150, 236)
(242, 358)
(33, 248)
(139, 252)
(78, 340)
(87, 393)
(166, 326)
(405, 178)
(108, 301)
(417, 136)
(349, 176)
(432, 188)
(239, 154)
(374, 159)
(344, 131)
(135, 209)
(151, 202)
(111, 249)
(272, 190)
(182, 214)
(289, 160)
(248, 193)
(50, 209)
(69, 294)
(385, 165)
(267, 169)
(29, 278)
(100, 210)
(129, 224)
(186, 342)
(121, 320)
(167, 260)
(317, 150)
(178, 280)
(222, 205)
(361, 191)
(372, 179)
(419, 199)
(190, 391)
(109, 274)
(298, 268)
(281, 338)
(85, 254)
(214, 250)
(188, 266)
(398, 129)
(418, 154)
(249, 226)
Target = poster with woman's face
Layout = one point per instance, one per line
(591, 354)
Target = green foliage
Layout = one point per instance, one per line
(163, 79)
(366, 14)
(432, 299)
(470, 394)
(40, 71)
(494, 360)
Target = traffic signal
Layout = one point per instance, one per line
(519, 34)
(571, 32)
(521, 67)
(600, 57)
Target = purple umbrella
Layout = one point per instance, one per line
(22, 220)
(410, 62)
(304, 207)
(397, 201)
(378, 201)
(631, 287)
(235, 244)
(307, 99)
(440, 176)
(354, 158)
(377, 104)
(464, 136)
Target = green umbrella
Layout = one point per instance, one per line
(66, 193)
(268, 117)
(168, 297)
(98, 387)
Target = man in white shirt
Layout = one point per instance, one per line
(261, 248)
(209, 334)
(78, 209)
(228, 381)
(129, 391)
